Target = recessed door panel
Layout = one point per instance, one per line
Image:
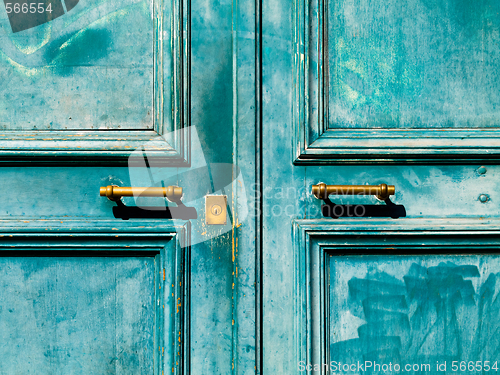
(78, 314)
(398, 82)
(420, 311)
(92, 300)
(93, 84)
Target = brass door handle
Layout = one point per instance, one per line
(114, 193)
(382, 191)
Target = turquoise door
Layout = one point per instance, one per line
(83, 85)
(131, 94)
(247, 105)
(403, 93)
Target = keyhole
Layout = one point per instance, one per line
(216, 209)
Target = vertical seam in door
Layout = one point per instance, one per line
(259, 191)
(234, 292)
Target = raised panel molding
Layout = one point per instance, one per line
(168, 244)
(171, 89)
(314, 143)
(315, 239)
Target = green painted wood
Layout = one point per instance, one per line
(97, 295)
(53, 74)
(65, 167)
(418, 313)
(413, 65)
(95, 84)
(224, 112)
(339, 265)
(408, 79)
(252, 300)
(78, 314)
(437, 173)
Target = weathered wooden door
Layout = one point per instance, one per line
(404, 93)
(257, 101)
(141, 93)
(83, 84)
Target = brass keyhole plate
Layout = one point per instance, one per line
(216, 209)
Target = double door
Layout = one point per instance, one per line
(249, 107)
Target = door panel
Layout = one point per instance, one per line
(78, 314)
(412, 64)
(96, 83)
(341, 105)
(410, 82)
(417, 310)
(100, 298)
(409, 292)
(83, 71)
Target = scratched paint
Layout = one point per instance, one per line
(89, 69)
(408, 309)
(414, 64)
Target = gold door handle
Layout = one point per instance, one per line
(114, 193)
(382, 191)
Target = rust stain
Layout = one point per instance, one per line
(164, 274)
(233, 245)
